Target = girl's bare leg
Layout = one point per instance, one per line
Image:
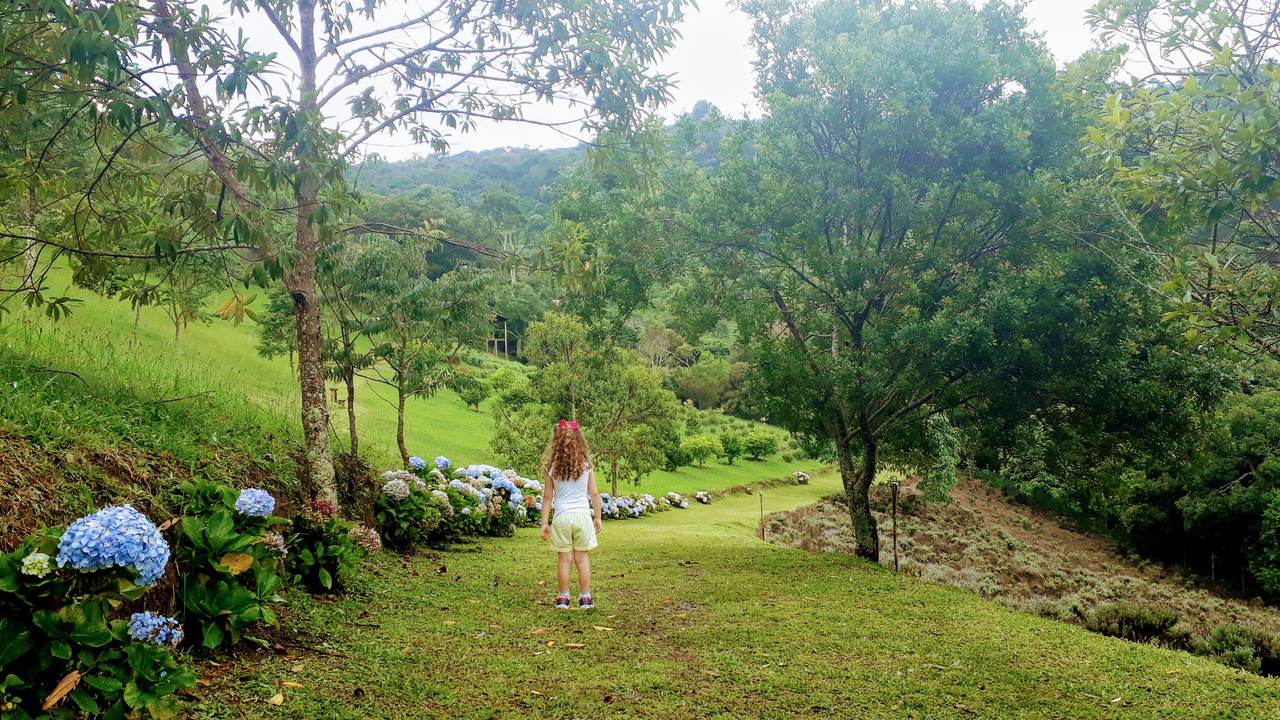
(564, 560)
(583, 561)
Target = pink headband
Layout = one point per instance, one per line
(568, 424)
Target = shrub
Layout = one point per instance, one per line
(759, 444)
(701, 448)
(1242, 647)
(55, 619)
(473, 393)
(706, 382)
(404, 512)
(731, 446)
(230, 573)
(1138, 624)
(324, 548)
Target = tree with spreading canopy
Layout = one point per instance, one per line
(863, 228)
(167, 83)
(1192, 143)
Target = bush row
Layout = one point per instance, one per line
(434, 504)
(1237, 646)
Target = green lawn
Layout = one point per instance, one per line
(699, 619)
(218, 364)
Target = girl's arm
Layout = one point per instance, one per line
(548, 490)
(596, 504)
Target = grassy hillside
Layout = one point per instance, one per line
(697, 618)
(105, 381)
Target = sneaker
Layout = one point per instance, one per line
(562, 602)
(586, 603)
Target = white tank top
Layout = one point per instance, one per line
(571, 495)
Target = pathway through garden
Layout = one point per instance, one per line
(698, 618)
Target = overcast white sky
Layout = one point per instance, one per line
(713, 62)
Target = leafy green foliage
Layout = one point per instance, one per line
(229, 577)
(1191, 144)
(1241, 647)
(701, 448)
(1138, 624)
(1216, 512)
(732, 445)
(626, 414)
(759, 444)
(407, 522)
(322, 553)
(473, 392)
(706, 382)
(56, 632)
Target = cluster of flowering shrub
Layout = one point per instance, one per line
(638, 505)
(68, 646)
(65, 648)
(435, 503)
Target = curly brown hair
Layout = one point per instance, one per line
(567, 455)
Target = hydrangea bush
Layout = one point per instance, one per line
(228, 548)
(323, 548)
(56, 618)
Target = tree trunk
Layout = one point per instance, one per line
(613, 477)
(857, 489)
(300, 279)
(349, 376)
(404, 452)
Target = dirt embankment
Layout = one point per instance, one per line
(1020, 556)
(39, 487)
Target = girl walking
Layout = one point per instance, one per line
(571, 484)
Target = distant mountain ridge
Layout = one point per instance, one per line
(525, 172)
(468, 175)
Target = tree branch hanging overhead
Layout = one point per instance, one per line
(276, 132)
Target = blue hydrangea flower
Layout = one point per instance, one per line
(153, 628)
(115, 537)
(255, 503)
(37, 564)
(417, 463)
(466, 511)
(442, 463)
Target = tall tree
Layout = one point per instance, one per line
(1193, 143)
(279, 153)
(418, 324)
(867, 222)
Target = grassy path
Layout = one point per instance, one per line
(699, 619)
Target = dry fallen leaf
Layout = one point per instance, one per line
(296, 668)
(277, 699)
(450, 622)
(551, 643)
(291, 684)
(538, 631)
(236, 562)
(535, 692)
(574, 645)
(602, 628)
(63, 688)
